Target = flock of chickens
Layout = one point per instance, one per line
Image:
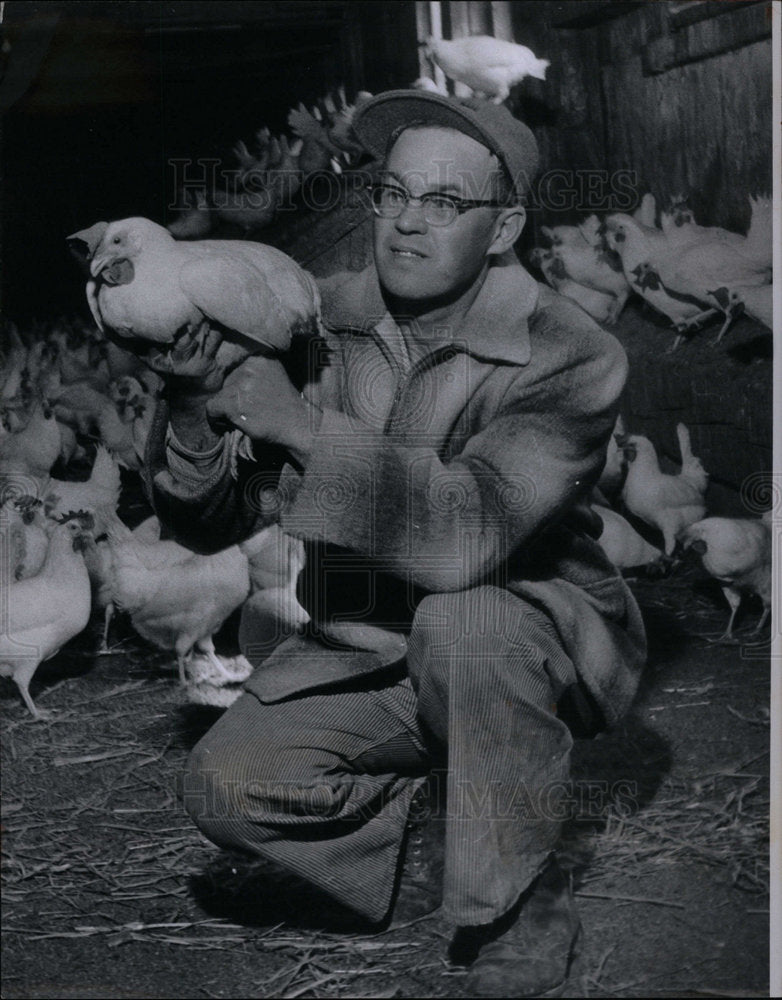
(65, 552)
(272, 170)
(687, 272)
(69, 394)
(737, 552)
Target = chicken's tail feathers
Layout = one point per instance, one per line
(539, 69)
(109, 519)
(685, 446)
(105, 471)
(759, 244)
(691, 464)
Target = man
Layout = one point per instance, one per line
(436, 466)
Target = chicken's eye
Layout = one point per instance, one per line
(116, 240)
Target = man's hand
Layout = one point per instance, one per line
(194, 368)
(259, 399)
(191, 364)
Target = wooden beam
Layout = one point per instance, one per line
(740, 25)
(593, 12)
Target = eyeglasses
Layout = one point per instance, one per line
(389, 201)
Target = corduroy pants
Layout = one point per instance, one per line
(321, 783)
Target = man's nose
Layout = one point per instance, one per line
(411, 219)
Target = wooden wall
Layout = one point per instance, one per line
(696, 117)
(679, 93)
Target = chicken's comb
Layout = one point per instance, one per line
(83, 516)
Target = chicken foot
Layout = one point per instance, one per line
(693, 323)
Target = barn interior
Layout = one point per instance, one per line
(111, 107)
(135, 108)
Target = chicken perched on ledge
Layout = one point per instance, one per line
(491, 66)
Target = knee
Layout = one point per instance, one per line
(213, 784)
(232, 779)
(469, 622)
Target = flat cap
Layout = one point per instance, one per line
(512, 142)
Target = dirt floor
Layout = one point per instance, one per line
(110, 891)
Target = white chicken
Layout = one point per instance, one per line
(755, 301)
(646, 211)
(147, 285)
(25, 536)
(101, 490)
(176, 599)
(427, 83)
(585, 232)
(13, 360)
(677, 270)
(613, 474)
(45, 611)
(667, 502)
(273, 610)
(599, 305)
(30, 444)
(737, 553)
(490, 66)
(596, 268)
(90, 411)
(622, 543)
(136, 408)
(638, 246)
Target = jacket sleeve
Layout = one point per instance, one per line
(452, 525)
(210, 500)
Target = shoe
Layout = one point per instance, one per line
(529, 951)
(420, 880)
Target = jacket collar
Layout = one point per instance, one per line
(494, 328)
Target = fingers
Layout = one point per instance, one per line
(224, 408)
(210, 340)
(251, 396)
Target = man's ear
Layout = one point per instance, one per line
(508, 227)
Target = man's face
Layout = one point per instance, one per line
(417, 261)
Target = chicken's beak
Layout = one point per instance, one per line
(80, 543)
(98, 263)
